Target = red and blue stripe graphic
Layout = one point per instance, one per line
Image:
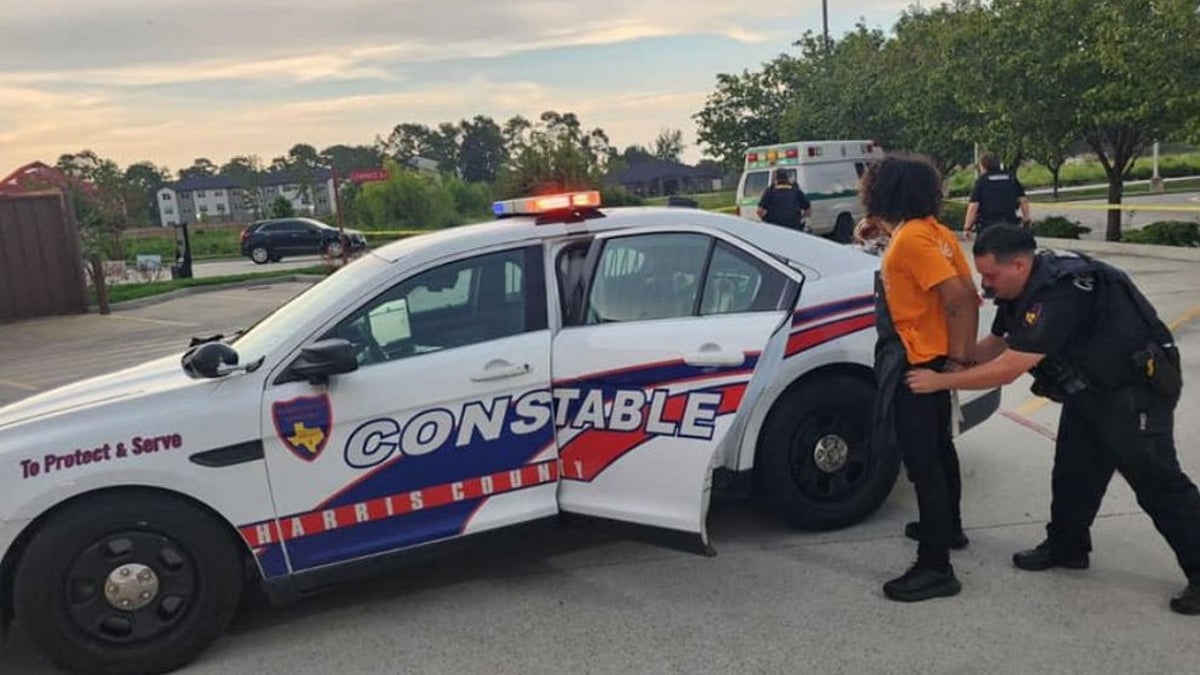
(378, 512)
(819, 324)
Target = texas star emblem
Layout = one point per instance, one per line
(303, 424)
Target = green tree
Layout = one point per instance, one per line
(1139, 80)
(148, 179)
(348, 158)
(837, 91)
(668, 145)
(282, 207)
(406, 200)
(745, 110)
(202, 166)
(482, 152)
(553, 155)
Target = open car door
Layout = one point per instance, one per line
(656, 364)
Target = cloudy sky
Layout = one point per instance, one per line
(171, 80)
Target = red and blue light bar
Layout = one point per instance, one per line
(532, 206)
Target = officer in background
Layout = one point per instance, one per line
(1096, 345)
(783, 203)
(995, 198)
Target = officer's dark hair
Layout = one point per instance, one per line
(989, 162)
(896, 189)
(1005, 242)
(781, 176)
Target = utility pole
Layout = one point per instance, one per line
(825, 23)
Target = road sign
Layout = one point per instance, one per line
(369, 175)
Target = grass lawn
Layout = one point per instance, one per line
(124, 292)
(709, 201)
(210, 244)
(1190, 185)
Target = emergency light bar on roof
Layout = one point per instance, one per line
(535, 206)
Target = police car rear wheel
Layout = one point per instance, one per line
(133, 582)
(260, 255)
(815, 463)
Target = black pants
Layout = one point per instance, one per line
(923, 430)
(1130, 431)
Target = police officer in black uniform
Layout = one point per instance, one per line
(1093, 343)
(995, 198)
(783, 203)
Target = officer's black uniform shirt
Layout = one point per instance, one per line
(1078, 322)
(783, 204)
(998, 194)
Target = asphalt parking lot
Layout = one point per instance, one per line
(584, 599)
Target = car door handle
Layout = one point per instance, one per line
(501, 369)
(711, 354)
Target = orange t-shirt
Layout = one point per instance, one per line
(922, 254)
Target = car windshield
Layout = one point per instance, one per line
(321, 299)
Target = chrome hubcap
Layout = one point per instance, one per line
(831, 453)
(131, 587)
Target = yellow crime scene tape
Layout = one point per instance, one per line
(1091, 206)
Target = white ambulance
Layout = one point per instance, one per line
(563, 359)
(827, 171)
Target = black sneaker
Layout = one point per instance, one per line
(1188, 601)
(913, 531)
(922, 583)
(1043, 558)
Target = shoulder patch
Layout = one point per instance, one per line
(1033, 314)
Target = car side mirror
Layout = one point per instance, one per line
(318, 361)
(210, 360)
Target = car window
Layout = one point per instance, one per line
(462, 303)
(738, 282)
(654, 276)
(755, 184)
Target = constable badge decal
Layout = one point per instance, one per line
(1033, 314)
(304, 424)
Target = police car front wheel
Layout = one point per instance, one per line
(815, 464)
(127, 582)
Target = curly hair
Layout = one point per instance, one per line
(896, 189)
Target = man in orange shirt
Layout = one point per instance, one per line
(929, 317)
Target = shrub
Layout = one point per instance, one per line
(1166, 233)
(953, 214)
(1057, 227)
(619, 196)
(472, 201)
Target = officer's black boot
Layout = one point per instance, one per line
(1044, 556)
(922, 583)
(930, 577)
(912, 530)
(1188, 601)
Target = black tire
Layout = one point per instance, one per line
(61, 589)
(843, 229)
(260, 254)
(333, 249)
(786, 467)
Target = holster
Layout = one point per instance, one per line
(1160, 367)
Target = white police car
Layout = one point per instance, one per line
(563, 359)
